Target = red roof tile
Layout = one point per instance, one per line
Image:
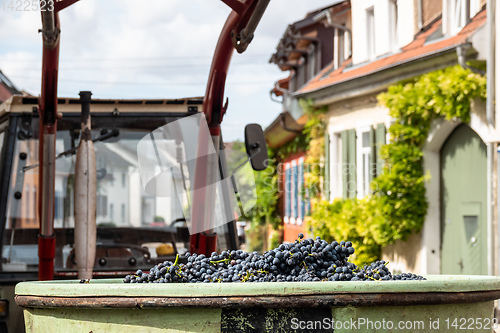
(413, 51)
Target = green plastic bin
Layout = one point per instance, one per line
(439, 304)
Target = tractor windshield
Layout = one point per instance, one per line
(135, 230)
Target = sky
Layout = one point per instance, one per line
(125, 49)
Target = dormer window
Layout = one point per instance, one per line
(370, 32)
(393, 25)
(458, 13)
(339, 47)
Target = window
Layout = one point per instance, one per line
(124, 180)
(2, 135)
(340, 34)
(459, 13)
(111, 211)
(123, 212)
(393, 24)
(297, 204)
(370, 32)
(348, 151)
(288, 188)
(58, 207)
(34, 203)
(355, 160)
(366, 151)
(295, 192)
(366, 166)
(27, 203)
(311, 61)
(301, 194)
(335, 166)
(102, 205)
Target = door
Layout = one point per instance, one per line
(463, 203)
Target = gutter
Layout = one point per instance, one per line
(283, 129)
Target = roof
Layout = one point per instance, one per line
(309, 19)
(294, 42)
(72, 105)
(419, 48)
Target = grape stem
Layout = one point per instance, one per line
(219, 261)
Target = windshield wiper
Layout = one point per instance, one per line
(107, 135)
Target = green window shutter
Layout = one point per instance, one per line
(345, 164)
(326, 179)
(351, 160)
(379, 142)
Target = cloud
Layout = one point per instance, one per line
(153, 49)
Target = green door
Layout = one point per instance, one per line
(463, 203)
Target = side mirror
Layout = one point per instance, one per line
(255, 144)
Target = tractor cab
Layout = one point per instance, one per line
(134, 229)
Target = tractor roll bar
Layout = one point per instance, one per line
(237, 33)
(47, 141)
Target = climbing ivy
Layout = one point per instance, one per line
(398, 205)
(314, 130)
(266, 209)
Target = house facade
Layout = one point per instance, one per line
(393, 41)
(323, 37)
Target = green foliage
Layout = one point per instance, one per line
(255, 237)
(266, 209)
(344, 219)
(400, 189)
(299, 143)
(398, 206)
(276, 238)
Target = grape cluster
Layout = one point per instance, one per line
(303, 260)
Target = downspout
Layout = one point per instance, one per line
(491, 66)
(462, 58)
(492, 154)
(285, 92)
